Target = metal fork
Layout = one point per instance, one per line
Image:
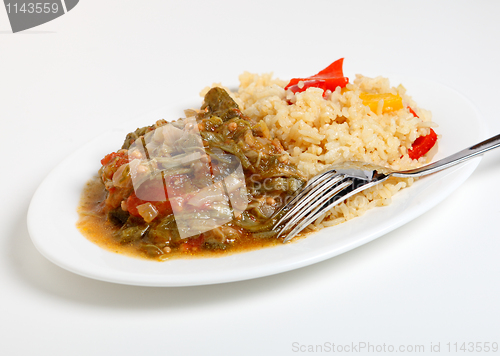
(329, 188)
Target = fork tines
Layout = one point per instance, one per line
(320, 194)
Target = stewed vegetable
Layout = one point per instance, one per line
(201, 183)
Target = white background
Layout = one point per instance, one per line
(434, 280)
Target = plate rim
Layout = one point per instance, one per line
(139, 279)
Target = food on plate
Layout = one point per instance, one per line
(210, 183)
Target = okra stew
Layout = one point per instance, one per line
(205, 185)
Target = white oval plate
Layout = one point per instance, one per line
(460, 125)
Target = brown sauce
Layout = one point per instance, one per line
(97, 228)
(129, 208)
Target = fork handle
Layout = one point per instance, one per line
(454, 159)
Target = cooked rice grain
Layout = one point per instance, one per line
(321, 131)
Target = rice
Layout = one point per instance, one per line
(319, 131)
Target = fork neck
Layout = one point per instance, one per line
(457, 158)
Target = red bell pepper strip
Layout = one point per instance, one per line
(422, 144)
(412, 112)
(328, 79)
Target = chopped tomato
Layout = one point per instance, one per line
(119, 157)
(193, 244)
(152, 191)
(164, 208)
(111, 163)
(155, 192)
(132, 203)
(328, 79)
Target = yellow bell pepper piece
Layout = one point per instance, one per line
(391, 102)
